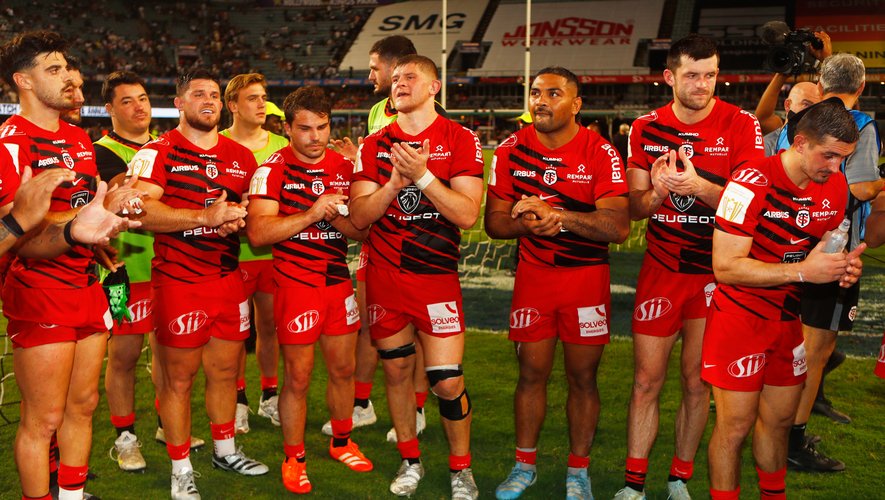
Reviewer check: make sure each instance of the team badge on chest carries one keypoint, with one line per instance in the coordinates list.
(803, 217)
(550, 176)
(67, 159)
(317, 187)
(211, 170)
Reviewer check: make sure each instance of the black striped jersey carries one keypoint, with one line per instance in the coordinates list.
(761, 202)
(193, 178)
(572, 177)
(680, 233)
(412, 236)
(68, 147)
(317, 256)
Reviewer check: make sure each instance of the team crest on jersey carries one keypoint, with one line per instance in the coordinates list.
(550, 176)
(682, 203)
(317, 187)
(79, 199)
(211, 170)
(687, 149)
(803, 217)
(409, 198)
(67, 159)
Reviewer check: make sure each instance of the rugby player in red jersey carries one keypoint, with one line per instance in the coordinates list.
(298, 203)
(419, 182)
(679, 195)
(202, 316)
(561, 190)
(58, 316)
(769, 225)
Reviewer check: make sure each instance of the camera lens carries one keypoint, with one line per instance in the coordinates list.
(780, 59)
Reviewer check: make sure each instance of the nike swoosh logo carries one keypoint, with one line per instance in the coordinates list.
(794, 242)
(708, 366)
(547, 196)
(209, 190)
(76, 181)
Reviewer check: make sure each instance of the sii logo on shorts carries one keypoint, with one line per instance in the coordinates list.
(188, 323)
(592, 321)
(141, 310)
(409, 198)
(652, 309)
(747, 366)
(375, 313)
(444, 317)
(524, 317)
(304, 321)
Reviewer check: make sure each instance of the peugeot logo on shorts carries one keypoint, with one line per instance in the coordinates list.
(188, 323)
(652, 309)
(524, 317)
(409, 198)
(375, 313)
(304, 321)
(747, 366)
(141, 310)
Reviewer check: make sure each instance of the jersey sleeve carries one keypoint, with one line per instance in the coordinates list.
(468, 154)
(739, 208)
(500, 180)
(748, 141)
(250, 166)
(636, 155)
(9, 178)
(609, 171)
(267, 181)
(109, 164)
(366, 168)
(863, 164)
(148, 165)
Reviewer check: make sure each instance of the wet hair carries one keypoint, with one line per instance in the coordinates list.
(694, 46)
(22, 50)
(828, 118)
(184, 80)
(393, 48)
(116, 79)
(313, 99)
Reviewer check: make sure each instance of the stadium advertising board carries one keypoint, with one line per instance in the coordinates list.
(736, 31)
(855, 27)
(421, 22)
(585, 37)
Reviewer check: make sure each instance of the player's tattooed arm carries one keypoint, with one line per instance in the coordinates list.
(688, 182)
(647, 189)
(610, 222)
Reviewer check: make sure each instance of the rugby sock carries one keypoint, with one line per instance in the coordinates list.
(680, 470)
(44, 497)
(53, 455)
(797, 436)
(223, 439)
(576, 463)
(459, 463)
(420, 399)
(71, 481)
(241, 392)
(409, 451)
(268, 387)
(526, 458)
(725, 495)
(124, 424)
(157, 407)
(180, 456)
(295, 451)
(361, 393)
(772, 485)
(634, 473)
(341, 431)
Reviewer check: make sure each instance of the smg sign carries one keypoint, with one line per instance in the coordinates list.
(422, 22)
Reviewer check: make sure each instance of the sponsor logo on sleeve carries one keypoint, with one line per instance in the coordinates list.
(652, 309)
(188, 323)
(734, 203)
(304, 321)
(444, 317)
(617, 170)
(258, 185)
(799, 365)
(351, 310)
(142, 164)
(747, 366)
(524, 317)
(592, 321)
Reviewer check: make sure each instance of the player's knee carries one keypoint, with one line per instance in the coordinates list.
(457, 408)
(644, 385)
(695, 388)
(82, 404)
(582, 382)
(341, 369)
(44, 423)
(398, 363)
(178, 385)
(446, 381)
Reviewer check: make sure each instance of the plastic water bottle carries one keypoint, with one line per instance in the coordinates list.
(837, 238)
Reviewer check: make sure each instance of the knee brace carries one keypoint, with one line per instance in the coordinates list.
(436, 374)
(402, 351)
(455, 409)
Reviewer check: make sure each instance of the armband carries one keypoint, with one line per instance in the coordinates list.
(12, 225)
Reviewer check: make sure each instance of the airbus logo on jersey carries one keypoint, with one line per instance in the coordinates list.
(655, 148)
(184, 168)
(524, 317)
(776, 214)
(294, 186)
(682, 202)
(188, 323)
(524, 173)
(45, 162)
(747, 366)
(592, 321)
(140, 310)
(803, 218)
(751, 176)
(304, 321)
(375, 313)
(409, 198)
(652, 309)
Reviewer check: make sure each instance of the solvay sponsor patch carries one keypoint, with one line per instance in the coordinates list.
(734, 203)
(352, 311)
(444, 317)
(258, 185)
(142, 164)
(708, 292)
(799, 364)
(592, 321)
(244, 316)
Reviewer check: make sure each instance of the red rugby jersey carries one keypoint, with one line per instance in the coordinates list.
(785, 222)
(571, 177)
(680, 233)
(193, 178)
(68, 147)
(317, 256)
(412, 236)
(9, 177)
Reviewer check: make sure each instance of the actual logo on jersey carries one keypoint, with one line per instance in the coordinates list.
(747, 366)
(351, 310)
(734, 203)
(708, 292)
(799, 364)
(409, 198)
(682, 203)
(141, 310)
(687, 150)
(524, 317)
(803, 217)
(188, 323)
(592, 321)
(67, 159)
(615, 160)
(79, 199)
(550, 176)
(317, 187)
(652, 309)
(304, 321)
(375, 313)
(444, 317)
(750, 176)
(211, 170)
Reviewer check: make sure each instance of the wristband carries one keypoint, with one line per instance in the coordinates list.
(425, 180)
(801, 279)
(69, 238)
(12, 225)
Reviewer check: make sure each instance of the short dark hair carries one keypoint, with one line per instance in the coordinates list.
(392, 48)
(116, 79)
(828, 118)
(694, 46)
(21, 52)
(313, 99)
(422, 62)
(560, 71)
(73, 63)
(184, 80)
